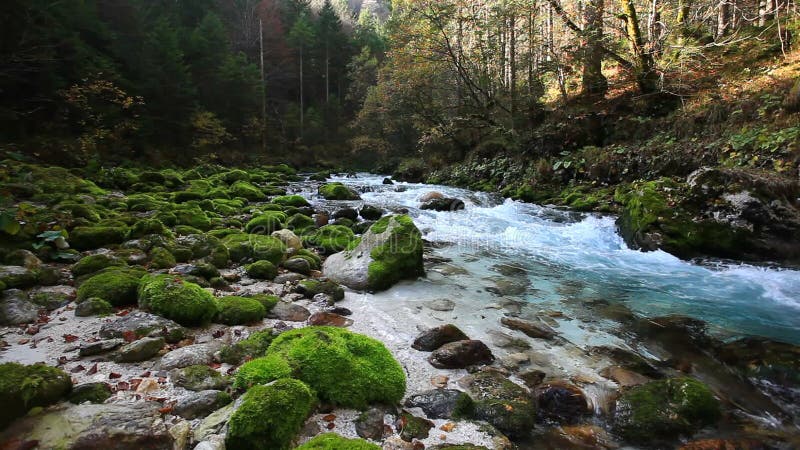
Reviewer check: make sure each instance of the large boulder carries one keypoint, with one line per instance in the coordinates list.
(16, 309)
(499, 401)
(24, 387)
(178, 300)
(18, 276)
(139, 324)
(338, 191)
(94, 427)
(390, 251)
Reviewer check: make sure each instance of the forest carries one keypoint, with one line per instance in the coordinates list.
(399, 225)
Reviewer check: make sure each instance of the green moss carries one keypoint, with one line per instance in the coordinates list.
(247, 191)
(268, 301)
(93, 306)
(178, 300)
(263, 370)
(266, 223)
(239, 310)
(87, 238)
(338, 191)
(331, 238)
(199, 378)
(319, 356)
(161, 258)
(297, 201)
(79, 210)
(332, 441)
(665, 409)
(93, 263)
(300, 224)
(254, 246)
(3, 286)
(145, 227)
(187, 196)
(116, 285)
(25, 387)
(90, 392)
(311, 257)
(192, 216)
(310, 288)
(270, 416)
(234, 175)
(400, 257)
(254, 346)
(263, 270)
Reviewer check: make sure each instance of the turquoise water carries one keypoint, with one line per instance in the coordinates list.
(567, 258)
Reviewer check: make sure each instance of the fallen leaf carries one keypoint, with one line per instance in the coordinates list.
(23, 341)
(329, 418)
(448, 427)
(114, 375)
(123, 386)
(68, 338)
(92, 370)
(330, 425)
(165, 410)
(78, 368)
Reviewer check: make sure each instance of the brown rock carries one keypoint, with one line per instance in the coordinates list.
(325, 318)
(533, 329)
(624, 377)
(461, 354)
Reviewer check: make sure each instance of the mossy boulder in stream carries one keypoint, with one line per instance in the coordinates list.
(665, 410)
(93, 263)
(320, 356)
(266, 223)
(332, 441)
(24, 387)
(243, 246)
(87, 238)
(170, 297)
(338, 191)
(389, 252)
(116, 285)
(331, 238)
(239, 310)
(270, 416)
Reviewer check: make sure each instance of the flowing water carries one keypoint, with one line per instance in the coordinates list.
(565, 260)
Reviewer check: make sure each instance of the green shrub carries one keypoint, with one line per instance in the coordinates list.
(270, 416)
(116, 285)
(321, 356)
(171, 297)
(239, 310)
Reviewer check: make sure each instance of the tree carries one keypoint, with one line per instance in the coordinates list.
(594, 83)
(301, 36)
(330, 34)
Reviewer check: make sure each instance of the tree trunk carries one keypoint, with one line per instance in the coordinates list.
(646, 76)
(302, 104)
(512, 67)
(263, 88)
(723, 18)
(594, 83)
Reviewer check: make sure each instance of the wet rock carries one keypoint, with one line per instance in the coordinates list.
(532, 378)
(500, 402)
(289, 312)
(140, 350)
(533, 329)
(503, 340)
(341, 310)
(325, 318)
(16, 309)
(665, 409)
(412, 427)
(387, 181)
(370, 425)
(143, 324)
(368, 212)
(215, 422)
(506, 287)
(561, 402)
(724, 444)
(99, 347)
(289, 239)
(579, 437)
(191, 355)
(213, 442)
(461, 354)
(628, 360)
(180, 432)
(321, 219)
(200, 404)
(299, 265)
(24, 258)
(624, 377)
(443, 204)
(52, 297)
(515, 360)
(346, 213)
(441, 304)
(434, 338)
(438, 403)
(18, 276)
(432, 195)
(95, 427)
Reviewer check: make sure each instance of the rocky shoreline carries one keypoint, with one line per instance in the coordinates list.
(214, 322)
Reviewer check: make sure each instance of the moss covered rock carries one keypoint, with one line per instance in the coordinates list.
(310, 288)
(247, 191)
(300, 223)
(499, 401)
(332, 238)
(239, 310)
(298, 201)
(263, 370)
(87, 238)
(254, 246)
(90, 392)
(254, 346)
(320, 355)
(161, 258)
(665, 409)
(24, 387)
(270, 416)
(93, 307)
(116, 285)
(332, 441)
(338, 191)
(199, 378)
(389, 252)
(145, 227)
(263, 270)
(266, 223)
(94, 263)
(171, 297)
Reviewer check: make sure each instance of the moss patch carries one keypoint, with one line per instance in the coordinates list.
(263, 270)
(171, 297)
(266, 223)
(87, 238)
(400, 257)
(254, 346)
(239, 310)
(254, 246)
(332, 238)
(298, 201)
(262, 370)
(24, 387)
(338, 191)
(332, 441)
(94, 263)
(270, 416)
(116, 285)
